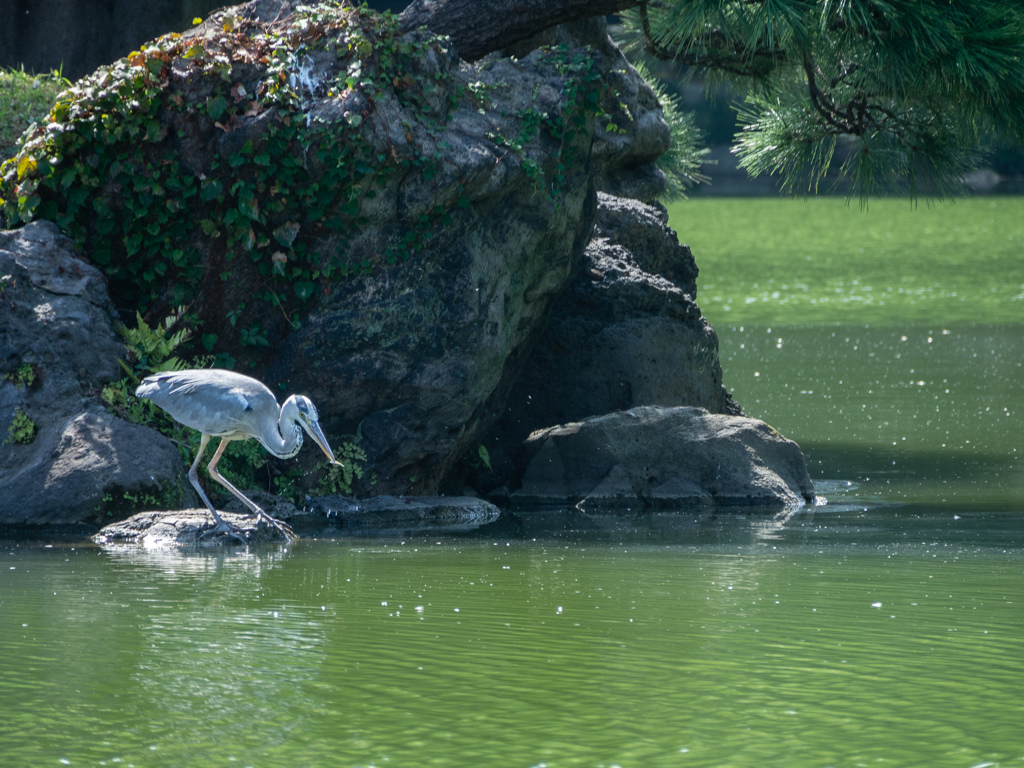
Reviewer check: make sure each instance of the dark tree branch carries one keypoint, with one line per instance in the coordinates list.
(478, 28)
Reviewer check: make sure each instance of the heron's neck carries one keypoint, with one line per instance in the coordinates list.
(282, 438)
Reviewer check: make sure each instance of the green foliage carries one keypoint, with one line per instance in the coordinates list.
(105, 165)
(23, 377)
(151, 349)
(25, 98)
(22, 429)
(682, 163)
(338, 479)
(484, 455)
(125, 503)
(898, 94)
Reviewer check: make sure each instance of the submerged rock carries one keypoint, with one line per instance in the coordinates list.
(655, 457)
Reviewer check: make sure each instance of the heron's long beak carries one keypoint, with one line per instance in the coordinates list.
(317, 434)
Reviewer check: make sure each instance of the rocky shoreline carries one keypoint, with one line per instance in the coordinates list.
(558, 338)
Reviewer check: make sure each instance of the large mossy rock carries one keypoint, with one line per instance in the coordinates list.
(349, 213)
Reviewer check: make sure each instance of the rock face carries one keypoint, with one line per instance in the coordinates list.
(625, 333)
(418, 221)
(652, 457)
(418, 359)
(57, 322)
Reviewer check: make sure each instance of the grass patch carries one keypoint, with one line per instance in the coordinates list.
(819, 260)
(24, 98)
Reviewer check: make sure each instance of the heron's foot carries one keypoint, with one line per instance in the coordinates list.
(222, 527)
(273, 522)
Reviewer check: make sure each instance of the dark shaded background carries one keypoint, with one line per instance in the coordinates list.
(81, 35)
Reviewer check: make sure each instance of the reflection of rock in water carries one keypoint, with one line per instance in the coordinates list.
(176, 563)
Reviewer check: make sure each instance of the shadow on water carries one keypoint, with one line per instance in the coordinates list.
(879, 475)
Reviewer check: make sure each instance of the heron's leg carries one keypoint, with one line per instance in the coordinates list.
(193, 475)
(212, 469)
(220, 524)
(252, 506)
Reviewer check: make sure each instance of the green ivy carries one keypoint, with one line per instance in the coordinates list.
(22, 429)
(106, 164)
(23, 377)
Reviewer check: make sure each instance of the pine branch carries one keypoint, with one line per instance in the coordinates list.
(712, 49)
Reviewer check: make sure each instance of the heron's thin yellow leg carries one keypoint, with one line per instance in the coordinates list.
(220, 525)
(259, 513)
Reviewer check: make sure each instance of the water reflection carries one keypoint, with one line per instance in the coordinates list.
(818, 637)
(174, 562)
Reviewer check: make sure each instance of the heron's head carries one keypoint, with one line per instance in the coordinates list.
(300, 410)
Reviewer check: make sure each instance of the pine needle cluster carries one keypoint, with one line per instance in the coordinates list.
(899, 95)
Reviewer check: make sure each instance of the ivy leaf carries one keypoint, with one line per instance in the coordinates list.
(154, 131)
(216, 106)
(484, 455)
(26, 165)
(210, 189)
(304, 289)
(286, 233)
(249, 206)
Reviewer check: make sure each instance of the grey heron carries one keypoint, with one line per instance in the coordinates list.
(231, 406)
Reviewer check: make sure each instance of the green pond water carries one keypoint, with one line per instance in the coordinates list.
(884, 628)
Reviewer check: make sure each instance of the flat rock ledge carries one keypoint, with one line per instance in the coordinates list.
(383, 514)
(325, 515)
(185, 527)
(661, 458)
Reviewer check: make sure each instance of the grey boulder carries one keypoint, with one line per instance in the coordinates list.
(653, 457)
(185, 528)
(83, 464)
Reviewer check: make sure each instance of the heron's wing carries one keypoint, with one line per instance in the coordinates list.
(213, 401)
